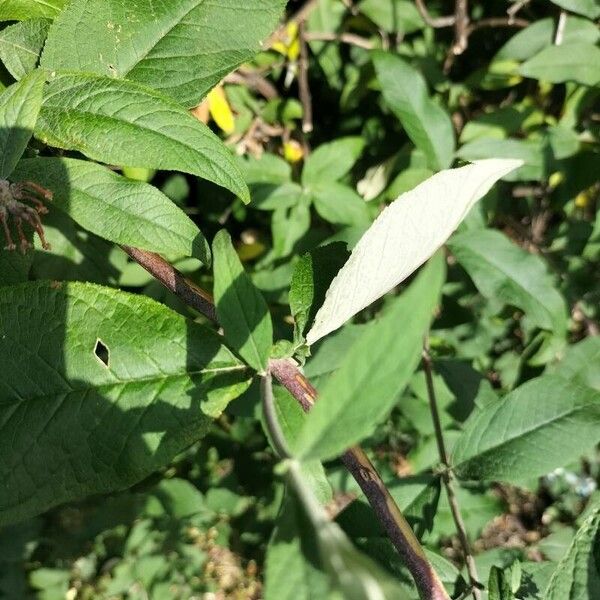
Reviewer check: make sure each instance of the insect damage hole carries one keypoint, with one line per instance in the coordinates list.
(102, 352)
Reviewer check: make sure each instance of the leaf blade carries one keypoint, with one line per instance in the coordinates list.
(242, 311)
(402, 238)
(124, 123)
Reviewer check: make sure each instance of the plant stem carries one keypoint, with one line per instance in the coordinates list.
(268, 405)
(448, 475)
(357, 462)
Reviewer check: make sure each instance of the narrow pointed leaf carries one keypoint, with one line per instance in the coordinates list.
(543, 424)
(503, 271)
(426, 123)
(242, 311)
(19, 108)
(123, 123)
(116, 208)
(403, 237)
(373, 372)
(99, 388)
(577, 575)
(183, 48)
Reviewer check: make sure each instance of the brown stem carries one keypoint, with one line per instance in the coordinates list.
(345, 38)
(357, 462)
(448, 476)
(436, 22)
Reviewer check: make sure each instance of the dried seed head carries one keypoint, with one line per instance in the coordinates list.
(12, 206)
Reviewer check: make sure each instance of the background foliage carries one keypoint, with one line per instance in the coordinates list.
(135, 461)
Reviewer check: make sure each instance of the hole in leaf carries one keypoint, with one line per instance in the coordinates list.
(101, 351)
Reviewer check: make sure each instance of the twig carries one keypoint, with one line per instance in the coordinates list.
(303, 87)
(253, 80)
(345, 38)
(497, 22)
(436, 22)
(448, 476)
(461, 27)
(370, 482)
(287, 373)
(515, 8)
(560, 28)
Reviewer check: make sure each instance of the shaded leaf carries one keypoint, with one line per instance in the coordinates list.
(77, 421)
(330, 162)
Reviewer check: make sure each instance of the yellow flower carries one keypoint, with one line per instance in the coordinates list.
(220, 110)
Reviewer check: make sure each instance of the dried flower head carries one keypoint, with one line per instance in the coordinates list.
(12, 206)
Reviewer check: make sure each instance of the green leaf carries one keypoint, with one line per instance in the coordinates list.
(427, 124)
(543, 424)
(123, 123)
(19, 108)
(588, 8)
(499, 586)
(21, 10)
(579, 62)
(398, 16)
(581, 363)
(183, 49)
(242, 311)
(293, 570)
(540, 34)
(312, 276)
(99, 389)
(530, 151)
(330, 162)
(503, 271)
(340, 205)
(14, 266)
(116, 208)
(21, 44)
(374, 371)
(577, 575)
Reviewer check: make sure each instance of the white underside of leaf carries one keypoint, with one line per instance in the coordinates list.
(403, 237)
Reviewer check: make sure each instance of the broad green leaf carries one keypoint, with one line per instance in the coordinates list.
(116, 208)
(579, 62)
(374, 371)
(330, 162)
(581, 363)
(123, 123)
(403, 237)
(182, 48)
(242, 311)
(288, 225)
(577, 575)
(19, 108)
(588, 8)
(540, 34)
(274, 197)
(503, 271)
(543, 424)
(99, 389)
(426, 123)
(21, 44)
(531, 152)
(21, 10)
(340, 205)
